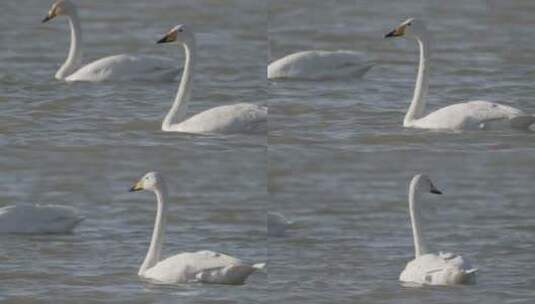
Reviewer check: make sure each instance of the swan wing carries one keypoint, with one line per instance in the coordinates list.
(317, 65)
(441, 269)
(475, 115)
(34, 219)
(236, 118)
(201, 266)
(126, 67)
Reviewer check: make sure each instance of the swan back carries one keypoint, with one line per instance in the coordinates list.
(34, 219)
(441, 269)
(202, 266)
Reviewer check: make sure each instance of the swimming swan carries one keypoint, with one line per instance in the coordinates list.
(188, 267)
(236, 118)
(428, 268)
(118, 67)
(319, 65)
(468, 115)
(36, 219)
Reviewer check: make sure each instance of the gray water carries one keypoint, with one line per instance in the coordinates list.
(84, 145)
(338, 161)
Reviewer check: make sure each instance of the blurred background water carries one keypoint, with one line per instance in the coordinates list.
(84, 144)
(340, 162)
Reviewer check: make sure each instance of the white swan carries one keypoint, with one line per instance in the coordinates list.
(468, 115)
(36, 219)
(277, 224)
(428, 268)
(118, 67)
(319, 65)
(236, 118)
(187, 267)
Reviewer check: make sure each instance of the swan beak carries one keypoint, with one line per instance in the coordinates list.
(47, 18)
(136, 187)
(397, 32)
(435, 190)
(169, 37)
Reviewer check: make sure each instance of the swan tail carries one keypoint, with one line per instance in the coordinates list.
(522, 122)
(259, 266)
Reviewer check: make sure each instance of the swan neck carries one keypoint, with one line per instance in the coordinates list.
(417, 107)
(74, 58)
(416, 222)
(179, 109)
(158, 234)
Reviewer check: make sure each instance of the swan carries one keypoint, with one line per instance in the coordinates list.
(236, 118)
(277, 224)
(477, 114)
(319, 65)
(118, 67)
(428, 268)
(36, 219)
(188, 267)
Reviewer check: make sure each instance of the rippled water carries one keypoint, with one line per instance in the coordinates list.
(84, 144)
(338, 160)
(340, 163)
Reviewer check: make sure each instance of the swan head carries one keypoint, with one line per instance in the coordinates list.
(409, 28)
(59, 8)
(150, 181)
(179, 34)
(422, 183)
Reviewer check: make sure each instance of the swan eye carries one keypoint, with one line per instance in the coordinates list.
(409, 24)
(181, 30)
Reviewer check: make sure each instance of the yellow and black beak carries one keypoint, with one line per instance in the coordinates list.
(136, 187)
(397, 32)
(49, 16)
(169, 37)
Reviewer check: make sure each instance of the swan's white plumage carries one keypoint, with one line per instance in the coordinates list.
(35, 219)
(235, 118)
(474, 115)
(118, 67)
(202, 266)
(461, 116)
(277, 224)
(441, 269)
(126, 67)
(428, 268)
(188, 267)
(318, 65)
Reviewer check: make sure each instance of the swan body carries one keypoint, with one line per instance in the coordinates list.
(118, 67)
(319, 65)
(125, 67)
(236, 118)
(428, 268)
(37, 219)
(277, 224)
(187, 267)
(468, 115)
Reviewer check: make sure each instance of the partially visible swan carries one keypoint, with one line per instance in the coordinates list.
(319, 65)
(36, 219)
(202, 266)
(236, 118)
(428, 268)
(277, 224)
(118, 67)
(468, 115)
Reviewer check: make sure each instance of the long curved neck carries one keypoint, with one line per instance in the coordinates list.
(417, 107)
(416, 222)
(158, 234)
(179, 108)
(74, 59)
